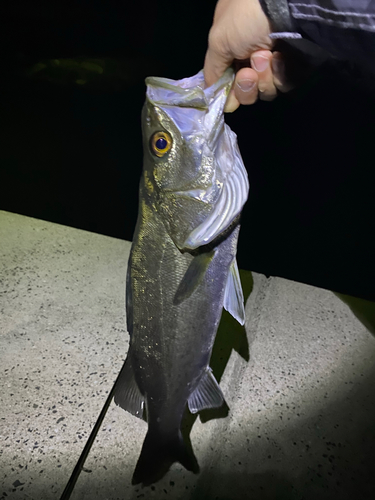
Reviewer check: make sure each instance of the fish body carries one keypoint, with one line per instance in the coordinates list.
(182, 267)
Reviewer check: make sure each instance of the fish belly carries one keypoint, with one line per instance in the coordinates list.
(171, 343)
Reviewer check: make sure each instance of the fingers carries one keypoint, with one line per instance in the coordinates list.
(253, 83)
(265, 77)
(261, 62)
(244, 90)
(257, 81)
(262, 81)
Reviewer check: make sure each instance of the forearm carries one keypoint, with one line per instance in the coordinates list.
(286, 15)
(344, 14)
(346, 28)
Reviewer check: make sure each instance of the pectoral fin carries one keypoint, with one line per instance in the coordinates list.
(233, 296)
(127, 393)
(193, 276)
(207, 394)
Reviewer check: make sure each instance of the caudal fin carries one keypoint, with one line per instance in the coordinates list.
(158, 454)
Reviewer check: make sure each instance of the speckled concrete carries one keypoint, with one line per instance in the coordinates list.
(62, 343)
(302, 413)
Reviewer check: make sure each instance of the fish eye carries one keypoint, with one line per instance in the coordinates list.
(161, 143)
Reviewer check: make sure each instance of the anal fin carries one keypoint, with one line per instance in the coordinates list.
(233, 296)
(207, 394)
(127, 393)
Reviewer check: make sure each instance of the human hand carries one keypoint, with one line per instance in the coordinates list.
(240, 35)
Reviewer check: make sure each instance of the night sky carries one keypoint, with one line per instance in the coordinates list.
(71, 152)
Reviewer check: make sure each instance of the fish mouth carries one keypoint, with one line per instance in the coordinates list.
(188, 92)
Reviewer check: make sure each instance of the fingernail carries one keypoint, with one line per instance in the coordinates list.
(259, 63)
(246, 85)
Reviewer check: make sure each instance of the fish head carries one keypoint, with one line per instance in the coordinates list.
(168, 156)
(190, 156)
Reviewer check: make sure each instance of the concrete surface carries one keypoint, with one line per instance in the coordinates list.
(301, 423)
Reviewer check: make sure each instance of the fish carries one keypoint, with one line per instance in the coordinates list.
(182, 268)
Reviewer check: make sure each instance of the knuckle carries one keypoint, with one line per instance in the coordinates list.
(215, 39)
(218, 42)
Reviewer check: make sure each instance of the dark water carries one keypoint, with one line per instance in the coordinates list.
(71, 153)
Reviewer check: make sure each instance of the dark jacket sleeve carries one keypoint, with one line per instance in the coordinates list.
(345, 28)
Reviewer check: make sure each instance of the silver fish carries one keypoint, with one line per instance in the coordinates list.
(182, 267)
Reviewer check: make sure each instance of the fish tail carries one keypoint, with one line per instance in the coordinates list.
(158, 454)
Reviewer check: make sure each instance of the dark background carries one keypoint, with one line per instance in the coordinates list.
(71, 152)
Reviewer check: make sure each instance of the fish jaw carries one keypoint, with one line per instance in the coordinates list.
(189, 92)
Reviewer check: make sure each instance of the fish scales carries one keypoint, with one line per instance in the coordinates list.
(182, 268)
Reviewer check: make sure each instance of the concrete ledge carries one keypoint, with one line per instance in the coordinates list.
(302, 411)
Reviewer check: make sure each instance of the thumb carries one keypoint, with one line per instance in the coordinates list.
(215, 65)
